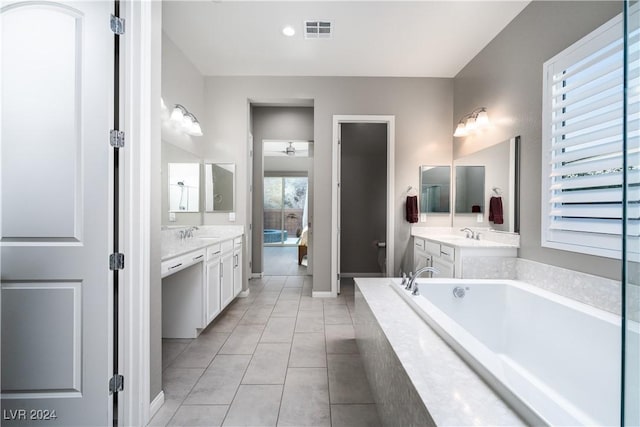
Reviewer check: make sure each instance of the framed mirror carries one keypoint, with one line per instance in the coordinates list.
(219, 186)
(500, 190)
(435, 189)
(469, 189)
(184, 187)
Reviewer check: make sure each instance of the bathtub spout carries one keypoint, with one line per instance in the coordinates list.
(413, 286)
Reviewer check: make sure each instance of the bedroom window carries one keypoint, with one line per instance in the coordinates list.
(582, 148)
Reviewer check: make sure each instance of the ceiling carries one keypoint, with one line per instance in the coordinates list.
(370, 38)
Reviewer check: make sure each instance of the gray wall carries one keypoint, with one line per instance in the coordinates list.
(506, 77)
(363, 204)
(423, 108)
(294, 123)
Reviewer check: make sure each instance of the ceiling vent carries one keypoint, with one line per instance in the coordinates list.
(317, 29)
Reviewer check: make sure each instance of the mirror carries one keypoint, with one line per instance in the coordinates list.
(184, 187)
(219, 186)
(435, 184)
(499, 192)
(469, 189)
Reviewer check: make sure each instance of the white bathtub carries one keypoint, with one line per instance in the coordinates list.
(554, 360)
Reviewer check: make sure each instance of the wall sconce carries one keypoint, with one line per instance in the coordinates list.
(185, 120)
(472, 122)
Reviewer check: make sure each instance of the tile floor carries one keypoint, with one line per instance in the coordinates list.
(278, 357)
(282, 261)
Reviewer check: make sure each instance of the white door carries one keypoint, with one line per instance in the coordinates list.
(339, 207)
(56, 203)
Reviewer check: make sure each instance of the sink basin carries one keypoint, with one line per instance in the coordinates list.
(209, 237)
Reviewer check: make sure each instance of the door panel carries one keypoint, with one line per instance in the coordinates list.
(213, 289)
(57, 99)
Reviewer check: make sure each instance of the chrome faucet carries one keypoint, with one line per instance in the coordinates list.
(470, 233)
(413, 286)
(190, 230)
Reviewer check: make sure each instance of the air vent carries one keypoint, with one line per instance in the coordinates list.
(317, 29)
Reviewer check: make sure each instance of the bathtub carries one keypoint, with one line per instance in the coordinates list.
(555, 361)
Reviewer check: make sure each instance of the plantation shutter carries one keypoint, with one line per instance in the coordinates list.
(583, 144)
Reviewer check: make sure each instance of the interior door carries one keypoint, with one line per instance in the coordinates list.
(339, 207)
(56, 212)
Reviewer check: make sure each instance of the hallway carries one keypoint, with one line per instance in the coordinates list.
(283, 261)
(277, 357)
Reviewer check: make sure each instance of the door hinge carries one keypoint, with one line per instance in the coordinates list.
(117, 25)
(338, 276)
(116, 384)
(116, 261)
(116, 138)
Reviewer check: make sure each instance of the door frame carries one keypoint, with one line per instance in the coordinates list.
(140, 94)
(335, 201)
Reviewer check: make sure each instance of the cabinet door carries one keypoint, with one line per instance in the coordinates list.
(237, 272)
(444, 267)
(421, 259)
(227, 278)
(212, 290)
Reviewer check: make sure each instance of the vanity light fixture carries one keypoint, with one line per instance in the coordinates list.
(472, 122)
(185, 120)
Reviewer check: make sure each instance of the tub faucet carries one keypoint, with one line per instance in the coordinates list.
(470, 233)
(413, 286)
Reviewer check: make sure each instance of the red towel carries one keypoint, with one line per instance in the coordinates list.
(495, 210)
(412, 209)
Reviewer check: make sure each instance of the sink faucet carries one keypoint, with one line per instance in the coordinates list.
(470, 233)
(190, 230)
(413, 286)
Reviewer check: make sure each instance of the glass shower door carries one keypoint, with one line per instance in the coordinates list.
(631, 258)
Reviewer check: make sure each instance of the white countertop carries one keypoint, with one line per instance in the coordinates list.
(459, 240)
(452, 392)
(173, 246)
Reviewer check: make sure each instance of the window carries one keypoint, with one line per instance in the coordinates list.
(582, 150)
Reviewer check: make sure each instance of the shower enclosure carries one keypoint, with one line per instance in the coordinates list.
(630, 411)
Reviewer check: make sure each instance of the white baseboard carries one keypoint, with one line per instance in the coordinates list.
(257, 275)
(156, 404)
(244, 293)
(322, 294)
(351, 275)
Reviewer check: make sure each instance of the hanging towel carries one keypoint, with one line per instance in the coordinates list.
(495, 210)
(412, 209)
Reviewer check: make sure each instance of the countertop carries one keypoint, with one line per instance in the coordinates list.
(452, 392)
(460, 241)
(173, 246)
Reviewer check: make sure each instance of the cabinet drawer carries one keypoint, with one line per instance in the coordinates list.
(213, 251)
(226, 246)
(180, 263)
(418, 243)
(237, 242)
(432, 248)
(447, 252)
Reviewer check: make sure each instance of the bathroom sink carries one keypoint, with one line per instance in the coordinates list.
(209, 237)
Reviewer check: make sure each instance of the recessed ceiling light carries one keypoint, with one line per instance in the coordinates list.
(288, 31)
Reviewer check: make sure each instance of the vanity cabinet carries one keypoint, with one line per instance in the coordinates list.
(198, 285)
(442, 259)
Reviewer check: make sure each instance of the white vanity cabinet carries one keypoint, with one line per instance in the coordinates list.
(457, 257)
(237, 266)
(199, 284)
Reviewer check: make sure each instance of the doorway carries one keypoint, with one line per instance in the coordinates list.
(282, 190)
(362, 192)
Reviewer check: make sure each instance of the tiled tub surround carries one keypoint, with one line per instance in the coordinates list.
(416, 378)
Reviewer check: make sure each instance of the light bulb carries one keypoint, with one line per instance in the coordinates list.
(482, 119)
(461, 130)
(196, 130)
(177, 115)
(470, 125)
